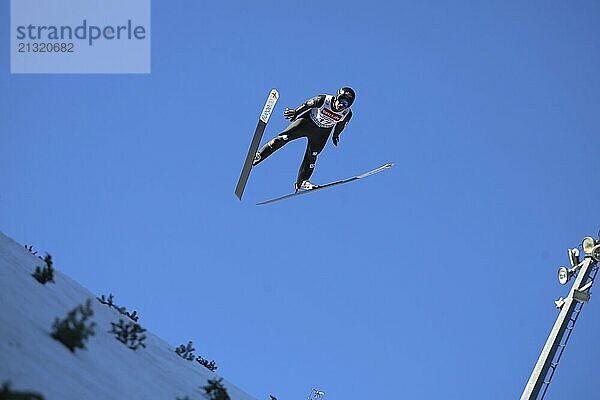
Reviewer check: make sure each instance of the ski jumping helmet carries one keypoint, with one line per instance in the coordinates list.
(346, 96)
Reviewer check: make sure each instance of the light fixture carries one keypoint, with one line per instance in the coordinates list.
(564, 275)
(596, 252)
(588, 244)
(574, 256)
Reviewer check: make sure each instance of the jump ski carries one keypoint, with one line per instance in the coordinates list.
(260, 129)
(328, 185)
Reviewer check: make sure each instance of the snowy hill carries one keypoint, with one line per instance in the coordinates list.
(35, 362)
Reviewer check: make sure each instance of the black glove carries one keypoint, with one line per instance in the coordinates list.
(335, 139)
(289, 113)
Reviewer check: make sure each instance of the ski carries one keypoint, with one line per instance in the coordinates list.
(260, 129)
(328, 185)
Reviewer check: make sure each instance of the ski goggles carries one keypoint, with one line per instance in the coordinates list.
(344, 102)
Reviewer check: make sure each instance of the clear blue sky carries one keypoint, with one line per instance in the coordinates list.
(434, 280)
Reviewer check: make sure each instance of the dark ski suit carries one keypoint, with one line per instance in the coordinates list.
(314, 120)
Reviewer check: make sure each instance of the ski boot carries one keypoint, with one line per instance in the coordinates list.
(256, 159)
(305, 185)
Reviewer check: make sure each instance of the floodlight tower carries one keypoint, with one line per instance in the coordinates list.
(316, 394)
(584, 273)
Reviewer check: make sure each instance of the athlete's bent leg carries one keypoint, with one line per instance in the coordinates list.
(270, 147)
(290, 133)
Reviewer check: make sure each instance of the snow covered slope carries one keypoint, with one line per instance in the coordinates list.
(35, 362)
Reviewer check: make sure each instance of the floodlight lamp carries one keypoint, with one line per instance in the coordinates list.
(574, 257)
(596, 253)
(564, 275)
(588, 244)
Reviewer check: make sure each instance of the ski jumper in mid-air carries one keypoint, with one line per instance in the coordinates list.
(314, 120)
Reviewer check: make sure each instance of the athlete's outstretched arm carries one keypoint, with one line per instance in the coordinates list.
(316, 101)
(339, 127)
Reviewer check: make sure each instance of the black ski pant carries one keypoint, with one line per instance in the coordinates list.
(302, 127)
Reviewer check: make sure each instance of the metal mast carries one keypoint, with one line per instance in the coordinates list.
(585, 272)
